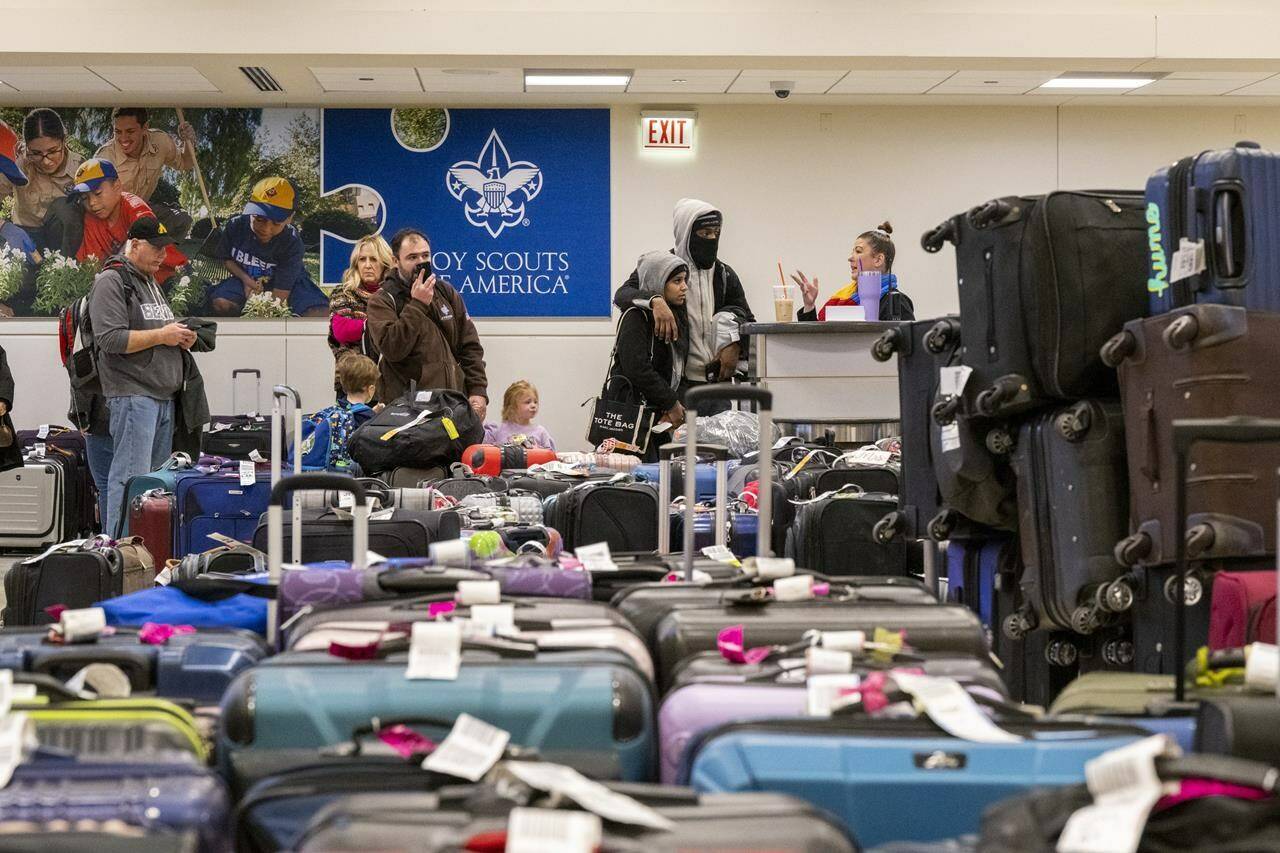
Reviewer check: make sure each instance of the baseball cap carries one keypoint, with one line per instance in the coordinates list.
(92, 173)
(273, 198)
(149, 228)
(9, 156)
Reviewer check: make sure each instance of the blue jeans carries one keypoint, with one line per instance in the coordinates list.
(100, 449)
(142, 429)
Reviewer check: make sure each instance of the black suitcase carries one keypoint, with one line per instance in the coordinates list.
(1073, 505)
(327, 533)
(625, 515)
(1240, 724)
(929, 627)
(787, 487)
(460, 485)
(238, 436)
(834, 535)
(75, 578)
(971, 464)
(65, 446)
(412, 478)
(1044, 281)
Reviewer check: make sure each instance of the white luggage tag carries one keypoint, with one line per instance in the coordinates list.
(248, 473)
(61, 546)
(820, 661)
(78, 626)
(950, 437)
(470, 750)
(721, 554)
(823, 691)
(871, 456)
(591, 795)
(1125, 787)
(17, 741)
(531, 830)
(951, 380)
(769, 568)
(845, 641)
(449, 551)
(1187, 261)
(596, 557)
(478, 592)
(493, 619)
(794, 588)
(1261, 667)
(947, 704)
(435, 651)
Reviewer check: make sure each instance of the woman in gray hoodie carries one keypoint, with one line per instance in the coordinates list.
(646, 369)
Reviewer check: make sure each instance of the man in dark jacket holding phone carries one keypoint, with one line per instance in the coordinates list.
(139, 353)
(713, 288)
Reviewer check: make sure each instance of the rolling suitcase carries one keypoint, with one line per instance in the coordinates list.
(74, 576)
(412, 478)
(151, 520)
(1242, 609)
(623, 514)
(1198, 362)
(33, 505)
(1224, 201)
(238, 436)
(217, 503)
(971, 464)
(1044, 281)
(1129, 698)
(327, 533)
(460, 484)
(834, 534)
(165, 479)
(839, 765)
(67, 445)
(1073, 501)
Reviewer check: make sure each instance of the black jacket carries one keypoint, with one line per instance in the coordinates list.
(647, 364)
(725, 285)
(191, 404)
(11, 456)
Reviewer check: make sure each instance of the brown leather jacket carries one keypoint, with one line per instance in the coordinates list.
(435, 347)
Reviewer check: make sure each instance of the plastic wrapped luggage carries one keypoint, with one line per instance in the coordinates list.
(76, 575)
(1044, 281)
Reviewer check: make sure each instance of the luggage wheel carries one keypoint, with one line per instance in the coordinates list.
(1118, 348)
(1131, 549)
(936, 340)
(932, 241)
(888, 528)
(944, 411)
(1192, 592)
(1000, 442)
(1117, 653)
(1074, 423)
(885, 345)
(1018, 625)
(1061, 653)
(1117, 596)
(1085, 619)
(940, 526)
(1200, 539)
(1181, 331)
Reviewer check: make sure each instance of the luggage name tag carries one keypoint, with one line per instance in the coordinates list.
(820, 661)
(346, 500)
(494, 618)
(950, 435)
(423, 397)
(450, 429)
(869, 456)
(947, 704)
(43, 432)
(435, 651)
(769, 568)
(591, 795)
(471, 748)
(721, 554)
(17, 741)
(478, 592)
(248, 473)
(532, 830)
(257, 458)
(794, 588)
(39, 450)
(951, 380)
(449, 551)
(1261, 666)
(227, 541)
(1125, 787)
(596, 557)
(82, 626)
(844, 641)
(824, 690)
(1187, 261)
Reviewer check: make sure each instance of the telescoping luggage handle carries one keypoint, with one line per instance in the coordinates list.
(720, 455)
(275, 525)
(257, 394)
(1186, 434)
(278, 393)
(728, 392)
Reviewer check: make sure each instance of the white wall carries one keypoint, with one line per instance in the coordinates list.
(789, 189)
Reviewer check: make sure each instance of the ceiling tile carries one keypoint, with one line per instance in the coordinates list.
(1270, 86)
(699, 81)
(993, 82)
(1185, 86)
(53, 78)
(754, 81)
(463, 80)
(905, 82)
(1241, 76)
(347, 79)
(155, 78)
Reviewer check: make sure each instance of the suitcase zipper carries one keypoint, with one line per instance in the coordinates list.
(989, 283)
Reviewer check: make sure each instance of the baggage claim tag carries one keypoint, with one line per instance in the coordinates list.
(78, 626)
(775, 567)
(478, 592)
(591, 795)
(435, 652)
(494, 618)
(948, 705)
(823, 691)
(17, 739)
(596, 557)
(532, 830)
(1187, 261)
(471, 748)
(795, 588)
(248, 475)
(950, 435)
(951, 380)
(1125, 787)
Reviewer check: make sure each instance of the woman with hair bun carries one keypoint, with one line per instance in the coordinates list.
(873, 251)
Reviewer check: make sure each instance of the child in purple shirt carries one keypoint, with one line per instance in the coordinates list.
(519, 408)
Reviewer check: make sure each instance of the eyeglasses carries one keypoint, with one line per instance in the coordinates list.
(50, 155)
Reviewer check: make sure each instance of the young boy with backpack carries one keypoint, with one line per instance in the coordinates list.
(326, 434)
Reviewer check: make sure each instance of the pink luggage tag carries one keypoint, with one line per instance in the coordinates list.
(158, 634)
(54, 611)
(437, 609)
(730, 643)
(407, 742)
(1196, 789)
(371, 650)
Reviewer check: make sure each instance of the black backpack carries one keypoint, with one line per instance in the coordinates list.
(422, 429)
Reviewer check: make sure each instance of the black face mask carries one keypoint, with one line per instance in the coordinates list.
(703, 251)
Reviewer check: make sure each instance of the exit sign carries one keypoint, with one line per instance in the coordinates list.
(667, 130)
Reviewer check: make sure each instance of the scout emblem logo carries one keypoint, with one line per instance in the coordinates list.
(493, 189)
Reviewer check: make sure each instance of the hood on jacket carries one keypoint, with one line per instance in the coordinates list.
(687, 212)
(655, 268)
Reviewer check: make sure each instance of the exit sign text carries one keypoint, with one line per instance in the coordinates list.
(667, 131)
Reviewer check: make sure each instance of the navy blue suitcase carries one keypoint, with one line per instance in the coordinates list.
(1230, 200)
(217, 503)
(704, 474)
(742, 531)
(196, 666)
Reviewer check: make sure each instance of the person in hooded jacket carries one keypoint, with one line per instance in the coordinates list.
(140, 363)
(714, 288)
(647, 369)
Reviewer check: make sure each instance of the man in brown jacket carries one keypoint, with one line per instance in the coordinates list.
(421, 327)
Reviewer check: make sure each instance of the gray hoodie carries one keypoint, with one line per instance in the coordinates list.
(122, 300)
(653, 270)
(701, 302)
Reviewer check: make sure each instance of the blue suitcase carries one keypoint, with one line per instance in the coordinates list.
(1228, 199)
(590, 709)
(216, 503)
(867, 772)
(704, 472)
(160, 797)
(196, 666)
(742, 531)
(972, 568)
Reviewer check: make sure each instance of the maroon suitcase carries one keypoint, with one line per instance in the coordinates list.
(1201, 361)
(1243, 609)
(151, 519)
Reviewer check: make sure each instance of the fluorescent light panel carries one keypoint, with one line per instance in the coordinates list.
(1070, 82)
(577, 78)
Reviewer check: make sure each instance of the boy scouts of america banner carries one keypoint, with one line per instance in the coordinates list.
(515, 202)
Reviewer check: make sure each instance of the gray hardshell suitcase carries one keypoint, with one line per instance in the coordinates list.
(32, 506)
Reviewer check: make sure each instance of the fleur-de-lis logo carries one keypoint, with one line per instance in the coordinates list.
(493, 189)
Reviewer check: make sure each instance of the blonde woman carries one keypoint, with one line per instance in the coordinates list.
(370, 261)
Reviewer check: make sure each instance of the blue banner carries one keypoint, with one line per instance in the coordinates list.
(515, 202)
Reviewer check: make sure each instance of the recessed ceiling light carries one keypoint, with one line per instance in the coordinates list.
(577, 78)
(1099, 82)
(470, 72)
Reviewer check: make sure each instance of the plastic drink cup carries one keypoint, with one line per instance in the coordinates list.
(869, 294)
(784, 306)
